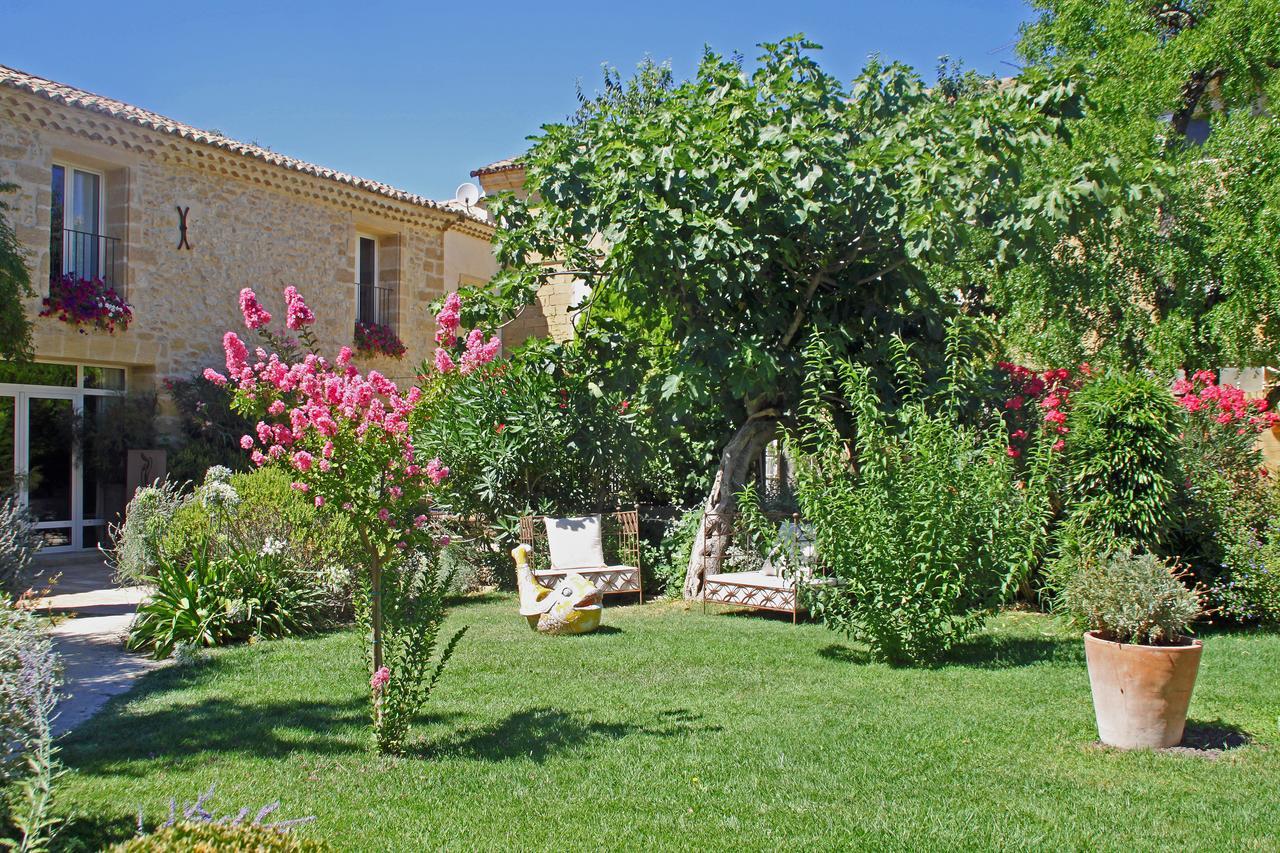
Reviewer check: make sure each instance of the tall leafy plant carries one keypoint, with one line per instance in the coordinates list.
(919, 519)
(15, 286)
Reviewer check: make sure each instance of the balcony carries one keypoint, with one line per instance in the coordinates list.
(376, 305)
(87, 256)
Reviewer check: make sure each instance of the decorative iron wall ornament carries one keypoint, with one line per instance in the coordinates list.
(182, 228)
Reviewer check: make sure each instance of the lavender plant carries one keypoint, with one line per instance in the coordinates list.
(29, 682)
(197, 811)
(18, 545)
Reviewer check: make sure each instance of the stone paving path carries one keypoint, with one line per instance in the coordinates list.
(89, 635)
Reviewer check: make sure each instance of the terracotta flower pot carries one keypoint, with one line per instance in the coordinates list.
(1141, 693)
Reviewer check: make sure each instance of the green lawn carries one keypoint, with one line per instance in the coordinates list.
(673, 729)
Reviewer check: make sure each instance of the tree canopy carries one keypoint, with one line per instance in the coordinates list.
(15, 285)
(744, 212)
(1181, 98)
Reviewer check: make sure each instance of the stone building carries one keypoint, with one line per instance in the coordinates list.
(552, 314)
(178, 220)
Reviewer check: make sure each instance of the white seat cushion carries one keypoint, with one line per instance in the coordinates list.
(759, 579)
(575, 543)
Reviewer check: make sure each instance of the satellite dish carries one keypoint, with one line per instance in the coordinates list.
(467, 194)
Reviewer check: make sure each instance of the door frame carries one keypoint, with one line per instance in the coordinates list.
(22, 394)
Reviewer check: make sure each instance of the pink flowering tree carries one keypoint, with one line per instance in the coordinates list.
(345, 437)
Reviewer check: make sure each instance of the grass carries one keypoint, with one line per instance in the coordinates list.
(672, 729)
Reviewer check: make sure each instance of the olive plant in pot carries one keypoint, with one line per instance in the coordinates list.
(1142, 664)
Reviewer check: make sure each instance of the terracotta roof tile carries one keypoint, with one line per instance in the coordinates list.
(506, 165)
(74, 97)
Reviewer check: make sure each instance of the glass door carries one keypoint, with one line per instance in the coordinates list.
(46, 472)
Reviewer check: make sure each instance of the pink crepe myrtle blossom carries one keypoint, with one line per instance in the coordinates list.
(215, 377)
(255, 316)
(298, 314)
(319, 501)
(380, 679)
(246, 442)
(444, 361)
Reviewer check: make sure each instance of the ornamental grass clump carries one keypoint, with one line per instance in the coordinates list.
(1131, 598)
(918, 516)
(344, 437)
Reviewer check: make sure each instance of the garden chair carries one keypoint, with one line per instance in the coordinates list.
(790, 564)
(579, 544)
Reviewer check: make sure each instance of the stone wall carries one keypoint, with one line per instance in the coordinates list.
(251, 224)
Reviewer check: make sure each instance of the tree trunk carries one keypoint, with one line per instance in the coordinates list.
(717, 521)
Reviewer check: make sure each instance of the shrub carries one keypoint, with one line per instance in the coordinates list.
(135, 549)
(261, 512)
(186, 837)
(30, 677)
(209, 429)
(1123, 473)
(209, 600)
(19, 542)
(669, 557)
(1130, 598)
(924, 529)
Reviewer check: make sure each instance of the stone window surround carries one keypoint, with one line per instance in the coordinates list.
(114, 205)
(387, 263)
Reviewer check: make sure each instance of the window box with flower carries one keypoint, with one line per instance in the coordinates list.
(86, 302)
(378, 339)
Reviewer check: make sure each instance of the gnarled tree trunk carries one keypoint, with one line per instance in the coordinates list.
(717, 522)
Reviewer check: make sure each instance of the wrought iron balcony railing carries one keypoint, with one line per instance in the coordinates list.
(376, 305)
(87, 256)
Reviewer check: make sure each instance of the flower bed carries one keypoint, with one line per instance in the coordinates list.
(86, 302)
(378, 339)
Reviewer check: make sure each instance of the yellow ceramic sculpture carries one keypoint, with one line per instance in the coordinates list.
(573, 607)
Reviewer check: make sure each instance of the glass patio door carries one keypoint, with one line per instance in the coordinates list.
(45, 466)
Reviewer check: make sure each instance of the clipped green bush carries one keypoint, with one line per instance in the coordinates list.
(1130, 598)
(1123, 472)
(190, 837)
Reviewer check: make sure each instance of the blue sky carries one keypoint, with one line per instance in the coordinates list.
(419, 93)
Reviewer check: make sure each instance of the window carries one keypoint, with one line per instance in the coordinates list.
(373, 299)
(77, 244)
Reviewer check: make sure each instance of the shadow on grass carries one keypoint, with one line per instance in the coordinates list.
(986, 651)
(84, 832)
(269, 729)
(1214, 736)
(538, 733)
(474, 599)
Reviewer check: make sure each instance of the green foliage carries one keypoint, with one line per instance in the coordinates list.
(30, 678)
(1248, 586)
(415, 594)
(19, 542)
(209, 429)
(745, 212)
(1123, 473)
(222, 837)
(1191, 279)
(669, 556)
(918, 521)
(536, 428)
(1130, 598)
(211, 601)
(135, 549)
(15, 286)
(266, 515)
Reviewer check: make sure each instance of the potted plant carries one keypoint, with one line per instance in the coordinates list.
(1142, 664)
